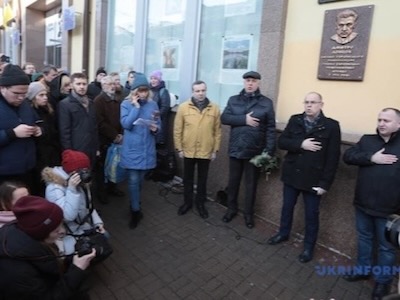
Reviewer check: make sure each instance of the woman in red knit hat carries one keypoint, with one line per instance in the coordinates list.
(29, 264)
(68, 187)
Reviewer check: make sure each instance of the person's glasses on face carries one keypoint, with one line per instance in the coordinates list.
(312, 102)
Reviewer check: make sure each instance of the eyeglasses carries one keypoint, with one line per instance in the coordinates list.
(311, 102)
(17, 94)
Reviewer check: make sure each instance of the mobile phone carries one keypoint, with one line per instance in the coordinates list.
(39, 122)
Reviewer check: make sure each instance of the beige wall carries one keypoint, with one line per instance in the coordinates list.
(354, 104)
(76, 39)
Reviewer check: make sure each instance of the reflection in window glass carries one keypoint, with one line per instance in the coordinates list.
(120, 43)
(229, 42)
(165, 30)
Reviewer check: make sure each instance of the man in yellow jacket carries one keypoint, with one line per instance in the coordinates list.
(197, 137)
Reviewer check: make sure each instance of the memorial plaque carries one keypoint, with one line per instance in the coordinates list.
(344, 44)
(328, 1)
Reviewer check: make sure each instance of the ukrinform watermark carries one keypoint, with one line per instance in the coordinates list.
(356, 270)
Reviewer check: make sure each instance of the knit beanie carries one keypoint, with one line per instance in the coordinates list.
(140, 81)
(156, 74)
(37, 217)
(74, 160)
(34, 89)
(101, 70)
(13, 75)
(37, 76)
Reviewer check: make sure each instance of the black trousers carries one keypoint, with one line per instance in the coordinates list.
(189, 165)
(236, 168)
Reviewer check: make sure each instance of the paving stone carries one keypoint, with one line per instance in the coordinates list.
(185, 257)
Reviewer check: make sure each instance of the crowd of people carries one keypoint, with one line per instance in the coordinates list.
(56, 128)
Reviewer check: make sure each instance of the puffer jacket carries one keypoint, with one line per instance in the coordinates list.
(197, 133)
(73, 203)
(378, 186)
(139, 144)
(246, 141)
(31, 270)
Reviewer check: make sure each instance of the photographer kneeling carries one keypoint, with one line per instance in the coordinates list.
(29, 262)
(69, 187)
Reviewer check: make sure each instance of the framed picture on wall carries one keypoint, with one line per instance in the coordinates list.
(235, 57)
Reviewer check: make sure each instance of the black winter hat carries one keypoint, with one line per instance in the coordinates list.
(13, 75)
(101, 70)
(252, 74)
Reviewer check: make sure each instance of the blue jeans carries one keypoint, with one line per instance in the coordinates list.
(135, 180)
(311, 211)
(370, 228)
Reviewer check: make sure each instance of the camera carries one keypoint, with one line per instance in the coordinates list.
(85, 175)
(392, 230)
(92, 239)
(84, 246)
(5, 59)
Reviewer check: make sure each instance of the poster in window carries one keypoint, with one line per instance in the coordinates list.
(236, 52)
(170, 57)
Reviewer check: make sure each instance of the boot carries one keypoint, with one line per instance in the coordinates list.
(136, 216)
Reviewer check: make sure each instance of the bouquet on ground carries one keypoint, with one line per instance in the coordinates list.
(266, 163)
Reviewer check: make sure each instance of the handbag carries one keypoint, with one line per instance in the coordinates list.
(112, 170)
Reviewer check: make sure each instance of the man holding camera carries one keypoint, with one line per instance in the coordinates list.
(377, 196)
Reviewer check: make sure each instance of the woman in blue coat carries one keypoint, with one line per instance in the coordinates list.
(140, 119)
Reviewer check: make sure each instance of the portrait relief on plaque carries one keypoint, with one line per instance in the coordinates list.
(344, 44)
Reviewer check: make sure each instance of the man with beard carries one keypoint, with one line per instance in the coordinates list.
(77, 120)
(107, 105)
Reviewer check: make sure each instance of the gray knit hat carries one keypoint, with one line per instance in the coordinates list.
(34, 89)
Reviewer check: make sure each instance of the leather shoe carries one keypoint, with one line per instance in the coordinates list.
(248, 219)
(380, 290)
(305, 256)
(355, 277)
(183, 209)
(203, 213)
(277, 238)
(229, 216)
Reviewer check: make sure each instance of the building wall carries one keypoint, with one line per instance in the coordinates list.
(355, 104)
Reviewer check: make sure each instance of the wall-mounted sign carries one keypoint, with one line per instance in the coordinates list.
(344, 44)
(327, 1)
(68, 17)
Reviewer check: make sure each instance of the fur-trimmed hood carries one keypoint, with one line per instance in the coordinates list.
(55, 175)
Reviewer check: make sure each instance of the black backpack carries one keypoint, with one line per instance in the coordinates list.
(166, 168)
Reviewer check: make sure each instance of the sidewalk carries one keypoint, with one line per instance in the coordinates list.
(185, 257)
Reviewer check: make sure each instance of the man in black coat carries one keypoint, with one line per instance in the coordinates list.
(312, 142)
(252, 119)
(376, 197)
